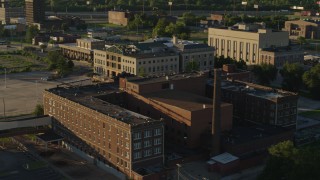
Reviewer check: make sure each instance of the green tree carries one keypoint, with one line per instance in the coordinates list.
(265, 73)
(59, 63)
(192, 66)
(301, 40)
(189, 19)
(159, 29)
(142, 72)
(311, 79)
(38, 111)
(292, 76)
(289, 162)
(179, 30)
(31, 32)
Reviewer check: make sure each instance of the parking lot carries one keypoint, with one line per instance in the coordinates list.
(23, 91)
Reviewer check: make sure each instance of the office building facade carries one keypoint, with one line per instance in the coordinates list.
(244, 44)
(35, 11)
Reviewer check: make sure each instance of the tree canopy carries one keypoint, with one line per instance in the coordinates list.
(312, 80)
(38, 111)
(192, 66)
(292, 76)
(265, 73)
(59, 63)
(31, 32)
(163, 28)
(289, 162)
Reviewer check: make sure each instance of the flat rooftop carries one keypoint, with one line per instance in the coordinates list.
(150, 80)
(180, 99)
(151, 55)
(254, 89)
(88, 96)
(240, 135)
(90, 40)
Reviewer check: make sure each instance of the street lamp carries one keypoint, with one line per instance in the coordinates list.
(179, 166)
(170, 4)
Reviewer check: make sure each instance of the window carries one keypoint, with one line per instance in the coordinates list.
(157, 132)
(147, 143)
(165, 85)
(136, 155)
(157, 150)
(147, 153)
(157, 141)
(137, 145)
(147, 133)
(136, 135)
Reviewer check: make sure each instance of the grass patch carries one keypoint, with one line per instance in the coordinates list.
(314, 114)
(6, 173)
(19, 63)
(105, 25)
(35, 165)
(199, 36)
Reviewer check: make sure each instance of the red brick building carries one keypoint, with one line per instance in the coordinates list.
(127, 141)
(180, 100)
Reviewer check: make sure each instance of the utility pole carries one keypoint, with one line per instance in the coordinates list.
(4, 109)
(142, 6)
(5, 77)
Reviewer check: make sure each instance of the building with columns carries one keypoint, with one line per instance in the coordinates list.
(244, 42)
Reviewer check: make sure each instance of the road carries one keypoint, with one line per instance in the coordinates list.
(99, 15)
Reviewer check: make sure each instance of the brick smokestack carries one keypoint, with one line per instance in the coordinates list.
(216, 116)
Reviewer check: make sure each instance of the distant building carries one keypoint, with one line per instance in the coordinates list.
(153, 58)
(230, 72)
(7, 12)
(119, 17)
(259, 104)
(59, 38)
(82, 49)
(87, 119)
(98, 33)
(279, 56)
(217, 18)
(18, 20)
(145, 59)
(244, 43)
(306, 29)
(201, 54)
(35, 11)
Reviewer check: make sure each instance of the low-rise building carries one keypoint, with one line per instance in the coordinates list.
(86, 117)
(189, 52)
(306, 29)
(119, 17)
(143, 59)
(279, 56)
(7, 12)
(259, 104)
(153, 58)
(82, 49)
(180, 100)
(57, 37)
